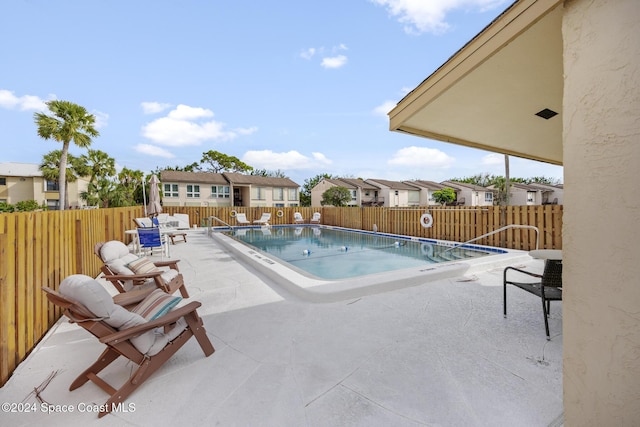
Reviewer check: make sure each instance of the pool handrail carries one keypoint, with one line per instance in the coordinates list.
(501, 229)
(212, 217)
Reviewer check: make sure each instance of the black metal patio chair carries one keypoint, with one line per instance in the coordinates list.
(549, 288)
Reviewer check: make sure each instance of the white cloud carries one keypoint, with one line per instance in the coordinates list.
(184, 112)
(493, 159)
(308, 53)
(154, 107)
(102, 119)
(152, 150)
(384, 108)
(331, 57)
(421, 157)
(420, 16)
(23, 103)
(290, 160)
(321, 158)
(334, 61)
(182, 127)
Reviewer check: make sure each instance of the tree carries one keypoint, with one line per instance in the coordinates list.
(543, 180)
(481, 179)
(130, 183)
(268, 174)
(219, 162)
(100, 165)
(105, 193)
(69, 123)
(29, 206)
(444, 196)
(193, 167)
(51, 167)
(6, 207)
(336, 196)
(305, 193)
(101, 186)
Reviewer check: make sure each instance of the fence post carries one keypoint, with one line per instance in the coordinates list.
(79, 248)
(8, 351)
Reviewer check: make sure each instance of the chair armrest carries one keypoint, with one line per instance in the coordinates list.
(528, 273)
(172, 263)
(132, 297)
(165, 320)
(113, 277)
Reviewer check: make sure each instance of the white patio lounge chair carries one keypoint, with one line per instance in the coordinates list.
(242, 219)
(297, 218)
(315, 219)
(264, 219)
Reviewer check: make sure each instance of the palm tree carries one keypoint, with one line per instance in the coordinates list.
(69, 122)
(131, 182)
(101, 165)
(51, 170)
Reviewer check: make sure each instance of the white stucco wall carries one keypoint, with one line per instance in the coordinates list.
(601, 121)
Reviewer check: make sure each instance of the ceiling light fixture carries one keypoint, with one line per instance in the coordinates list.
(546, 113)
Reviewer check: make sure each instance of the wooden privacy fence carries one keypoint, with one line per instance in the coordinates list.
(42, 248)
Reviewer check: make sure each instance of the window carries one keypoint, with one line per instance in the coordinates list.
(3, 181)
(170, 190)
(278, 194)
(353, 195)
(258, 193)
(531, 196)
(488, 197)
(414, 197)
(220, 192)
(193, 191)
(293, 193)
(51, 186)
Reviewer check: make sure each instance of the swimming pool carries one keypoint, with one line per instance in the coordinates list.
(334, 254)
(413, 257)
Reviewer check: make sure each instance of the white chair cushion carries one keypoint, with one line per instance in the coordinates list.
(96, 299)
(113, 250)
(169, 275)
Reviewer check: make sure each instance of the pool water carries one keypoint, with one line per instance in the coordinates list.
(330, 253)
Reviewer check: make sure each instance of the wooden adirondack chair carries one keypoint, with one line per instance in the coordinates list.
(127, 271)
(128, 333)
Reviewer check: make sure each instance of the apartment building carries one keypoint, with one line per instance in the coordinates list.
(24, 181)
(227, 189)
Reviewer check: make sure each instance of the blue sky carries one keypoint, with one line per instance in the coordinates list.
(300, 86)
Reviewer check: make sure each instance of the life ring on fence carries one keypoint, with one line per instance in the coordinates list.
(233, 214)
(279, 214)
(426, 220)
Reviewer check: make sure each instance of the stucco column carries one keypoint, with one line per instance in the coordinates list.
(601, 120)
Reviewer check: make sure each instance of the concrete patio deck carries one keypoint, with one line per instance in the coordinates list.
(439, 353)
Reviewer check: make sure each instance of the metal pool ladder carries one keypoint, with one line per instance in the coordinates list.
(499, 230)
(210, 222)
